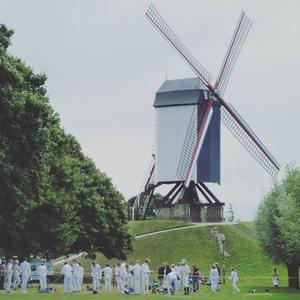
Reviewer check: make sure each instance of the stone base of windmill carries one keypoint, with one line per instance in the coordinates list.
(190, 213)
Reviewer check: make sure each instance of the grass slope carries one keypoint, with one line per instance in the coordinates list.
(199, 246)
(249, 226)
(248, 257)
(148, 226)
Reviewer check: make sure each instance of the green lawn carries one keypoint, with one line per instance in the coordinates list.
(246, 254)
(148, 226)
(249, 226)
(199, 246)
(224, 294)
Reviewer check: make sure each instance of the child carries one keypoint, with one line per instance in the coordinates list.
(275, 278)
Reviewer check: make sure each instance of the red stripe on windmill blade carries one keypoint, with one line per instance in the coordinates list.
(230, 118)
(200, 139)
(188, 146)
(239, 36)
(248, 139)
(160, 24)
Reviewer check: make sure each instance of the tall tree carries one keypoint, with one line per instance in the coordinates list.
(52, 197)
(278, 223)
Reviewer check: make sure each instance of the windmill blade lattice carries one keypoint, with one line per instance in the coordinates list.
(239, 36)
(188, 146)
(193, 142)
(249, 141)
(160, 24)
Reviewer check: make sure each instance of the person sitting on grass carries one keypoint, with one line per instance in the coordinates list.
(155, 287)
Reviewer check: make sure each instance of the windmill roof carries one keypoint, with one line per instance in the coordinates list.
(187, 91)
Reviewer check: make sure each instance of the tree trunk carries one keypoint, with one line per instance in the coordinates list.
(293, 275)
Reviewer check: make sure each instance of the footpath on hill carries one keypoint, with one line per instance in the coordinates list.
(194, 225)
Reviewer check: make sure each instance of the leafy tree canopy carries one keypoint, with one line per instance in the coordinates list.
(278, 223)
(52, 197)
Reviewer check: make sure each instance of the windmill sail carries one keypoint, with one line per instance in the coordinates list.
(238, 38)
(233, 121)
(248, 139)
(160, 24)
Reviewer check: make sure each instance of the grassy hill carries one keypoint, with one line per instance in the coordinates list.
(148, 226)
(199, 246)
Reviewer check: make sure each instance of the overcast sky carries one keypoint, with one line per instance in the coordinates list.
(105, 61)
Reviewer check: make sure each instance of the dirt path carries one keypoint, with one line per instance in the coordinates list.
(184, 228)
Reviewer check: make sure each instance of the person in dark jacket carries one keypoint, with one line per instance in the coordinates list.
(195, 278)
(161, 273)
(167, 269)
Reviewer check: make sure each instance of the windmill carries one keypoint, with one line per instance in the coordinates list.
(194, 164)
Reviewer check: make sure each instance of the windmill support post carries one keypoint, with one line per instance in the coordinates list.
(186, 204)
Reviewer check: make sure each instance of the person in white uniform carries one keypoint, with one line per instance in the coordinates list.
(129, 281)
(136, 269)
(76, 273)
(123, 275)
(8, 275)
(178, 273)
(81, 275)
(42, 272)
(213, 277)
(16, 274)
(66, 271)
(25, 275)
(185, 274)
(96, 276)
(107, 271)
(171, 279)
(234, 279)
(117, 276)
(145, 276)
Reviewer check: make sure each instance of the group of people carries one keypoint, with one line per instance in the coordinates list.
(73, 276)
(124, 277)
(13, 275)
(185, 276)
(127, 278)
(215, 275)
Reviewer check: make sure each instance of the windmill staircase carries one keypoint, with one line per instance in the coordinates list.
(142, 200)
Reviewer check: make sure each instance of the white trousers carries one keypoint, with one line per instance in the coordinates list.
(170, 282)
(43, 282)
(16, 280)
(145, 283)
(8, 279)
(122, 283)
(234, 286)
(25, 278)
(129, 280)
(96, 284)
(107, 283)
(80, 281)
(179, 284)
(76, 284)
(185, 281)
(118, 281)
(137, 284)
(67, 283)
(214, 284)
